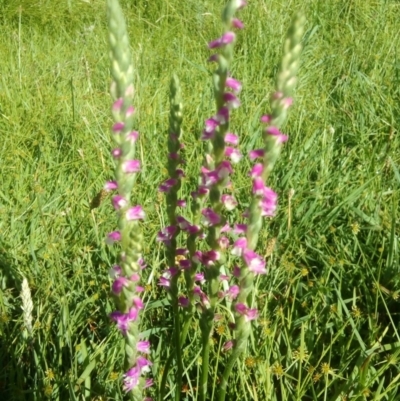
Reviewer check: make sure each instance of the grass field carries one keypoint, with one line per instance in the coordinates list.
(330, 323)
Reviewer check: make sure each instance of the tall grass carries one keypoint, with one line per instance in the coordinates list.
(330, 322)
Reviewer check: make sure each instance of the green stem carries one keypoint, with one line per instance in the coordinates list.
(164, 377)
(178, 344)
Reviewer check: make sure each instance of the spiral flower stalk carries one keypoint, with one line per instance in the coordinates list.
(126, 287)
(264, 199)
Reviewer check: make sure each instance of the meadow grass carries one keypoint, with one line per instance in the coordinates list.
(329, 324)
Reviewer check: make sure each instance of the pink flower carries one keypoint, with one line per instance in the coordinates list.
(231, 100)
(131, 378)
(236, 271)
(258, 186)
(254, 262)
(167, 185)
(113, 237)
(111, 185)
(166, 234)
(185, 264)
(118, 127)
(228, 345)
(249, 314)
(233, 84)
(135, 213)
(233, 292)
(131, 166)
(257, 170)
(118, 284)
(118, 202)
(223, 115)
(182, 251)
(233, 154)
(209, 178)
(254, 154)
(239, 246)
(129, 111)
(240, 228)
(164, 282)
(198, 257)
(115, 271)
(229, 201)
(143, 364)
(226, 228)
(181, 203)
(237, 23)
(231, 139)
(224, 169)
(223, 242)
(133, 136)
(211, 125)
(123, 319)
(116, 153)
(143, 346)
(183, 302)
(225, 39)
(266, 118)
(210, 257)
(182, 223)
(199, 277)
(179, 173)
(210, 217)
(274, 131)
(118, 104)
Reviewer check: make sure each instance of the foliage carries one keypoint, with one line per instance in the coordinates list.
(330, 322)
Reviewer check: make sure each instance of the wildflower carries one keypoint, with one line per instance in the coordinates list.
(223, 115)
(233, 154)
(166, 234)
(256, 170)
(278, 134)
(225, 39)
(228, 345)
(210, 217)
(124, 319)
(110, 185)
(118, 202)
(254, 262)
(133, 136)
(118, 284)
(239, 246)
(143, 346)
(118, 127)
(254, 154)
(240, 228)
(112, 237)
(183, 302)
(249, 314)
(231, 139)
(135, 213)
(116, 153)
(131, 166)
(236, 23)
(118, 104)
(231, 100)
(167, 185)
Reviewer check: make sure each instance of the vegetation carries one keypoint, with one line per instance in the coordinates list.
(329, 326)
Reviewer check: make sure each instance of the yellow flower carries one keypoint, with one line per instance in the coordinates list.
(355, 228)
(277, 370)
(49, 374)
(250, 362)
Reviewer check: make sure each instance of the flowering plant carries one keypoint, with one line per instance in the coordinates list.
(215, 255)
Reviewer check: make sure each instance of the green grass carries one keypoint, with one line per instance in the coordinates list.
(330, 325)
